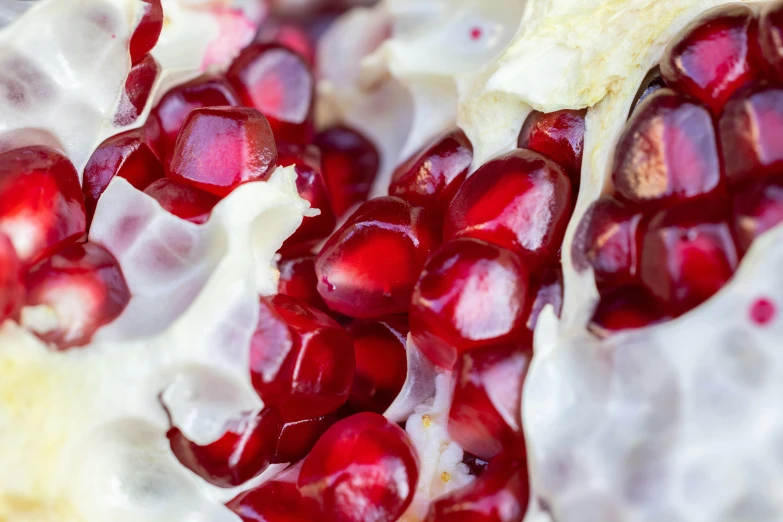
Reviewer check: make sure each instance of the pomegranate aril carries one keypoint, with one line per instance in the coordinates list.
(243, 452)
(83, 286)
(138, 86)
(11, 284)
(275, 502)
(301, 361)
(432, 177)
(751, 131)
(548, 290)
(470, 294)
(624, 308)
(220, 148)
(147, 32)
(520, 201)
(297, 438)
(183, 200)
(280, 84)
(41, 202)
(381, 362)
(126, 155)
(757, 208)
(289, 35)
(363, 469)
(166, 119)
(298, 280)
(349, 163)
(688, 254)
(560, 136)
(651, 83)
(771, 38)
(714, 56)
(500, 494)
(485, 410)
(369, 266)
(667, 152)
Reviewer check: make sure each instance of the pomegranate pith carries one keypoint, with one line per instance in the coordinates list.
(560, 136)
(147, 31)
(183, 200)
(275, 502)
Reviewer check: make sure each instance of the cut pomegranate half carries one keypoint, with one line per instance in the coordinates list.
(183, 200)
(138, 87)
(560, 136)
(147, 31)
(12, 292)
(82, 287)
(369, 266)
(220, 148)
(298, 280)
(363, 469)
(275, 502)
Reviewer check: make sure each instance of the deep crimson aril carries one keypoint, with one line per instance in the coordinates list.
(147, 31)
(558, 135)
(275, 502)
(182, 200)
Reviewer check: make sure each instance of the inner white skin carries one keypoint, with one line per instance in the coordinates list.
(677, 422)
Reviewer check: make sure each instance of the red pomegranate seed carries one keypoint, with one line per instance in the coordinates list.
(381, 362)
(520, 201)
(183, 200)
(298, 280)
(771, 38)
(11, 285)
(762, 311)
(560, 136)
(297, 438)
(84, 286)
(625, 308)
(432, 177)
(548, 290)
(41, 202)
(126, 155)
(279, 83)
(275, 502)
(243, 452)
(688, 254)
(500, 494)
(485, 410)
(312, 188)
(138, 86)
(349, 163)
(169, 114)
(363, 469)
(220, 148)
(369, 266)
(667, 152)
(714, 56)
(147, 32)
(470, 294)
(757, 208)
(612, 242)
(290, 35)
(751, 131)
(301, 361)
(651, 83)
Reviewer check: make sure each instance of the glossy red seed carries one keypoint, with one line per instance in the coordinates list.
(83, 286)
(688, 254)
(485, 410)
(241, 453)
(558, 135)
(169, 114)
(758, 207)
(714, 56)
(298, 280)
(297, 438)
(751, 131)
(11, 285)
(41, 202)
(624, 308)
(520, 201)
(301, 361)
(651, 83)
(548, 290)
(369, 266)
(381, 362)
(279, 83)
(499, 495)
(147, 31)
(126, 155)
(138, 86)
(349, 163)
(432, 176)
(219, 148)
(363, 469)
(771, 38)
(289, 35)
(275, 502)
(183, 200)
(667, 152)
(470, 294)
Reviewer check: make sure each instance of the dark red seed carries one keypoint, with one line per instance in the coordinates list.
(183, 200)
(275, 502)
(470, 294)
(280, 84)
(623, 309)
(369, 266)
(548, 290)
(758, 207)
(298, 280)
(138, 86)
(11, 284)
(520, 201)
(667, 152)
(349, 163)
(220, 148)
(651, 83)
(243, 452)
(771, 38)
(290, 35)
(714, 56)
(297, 438)
(432, 176)
(560, 136)
(147, 31)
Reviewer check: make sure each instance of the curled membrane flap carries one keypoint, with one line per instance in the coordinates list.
(418, 387)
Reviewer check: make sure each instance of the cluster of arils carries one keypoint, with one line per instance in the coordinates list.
(696, 174)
